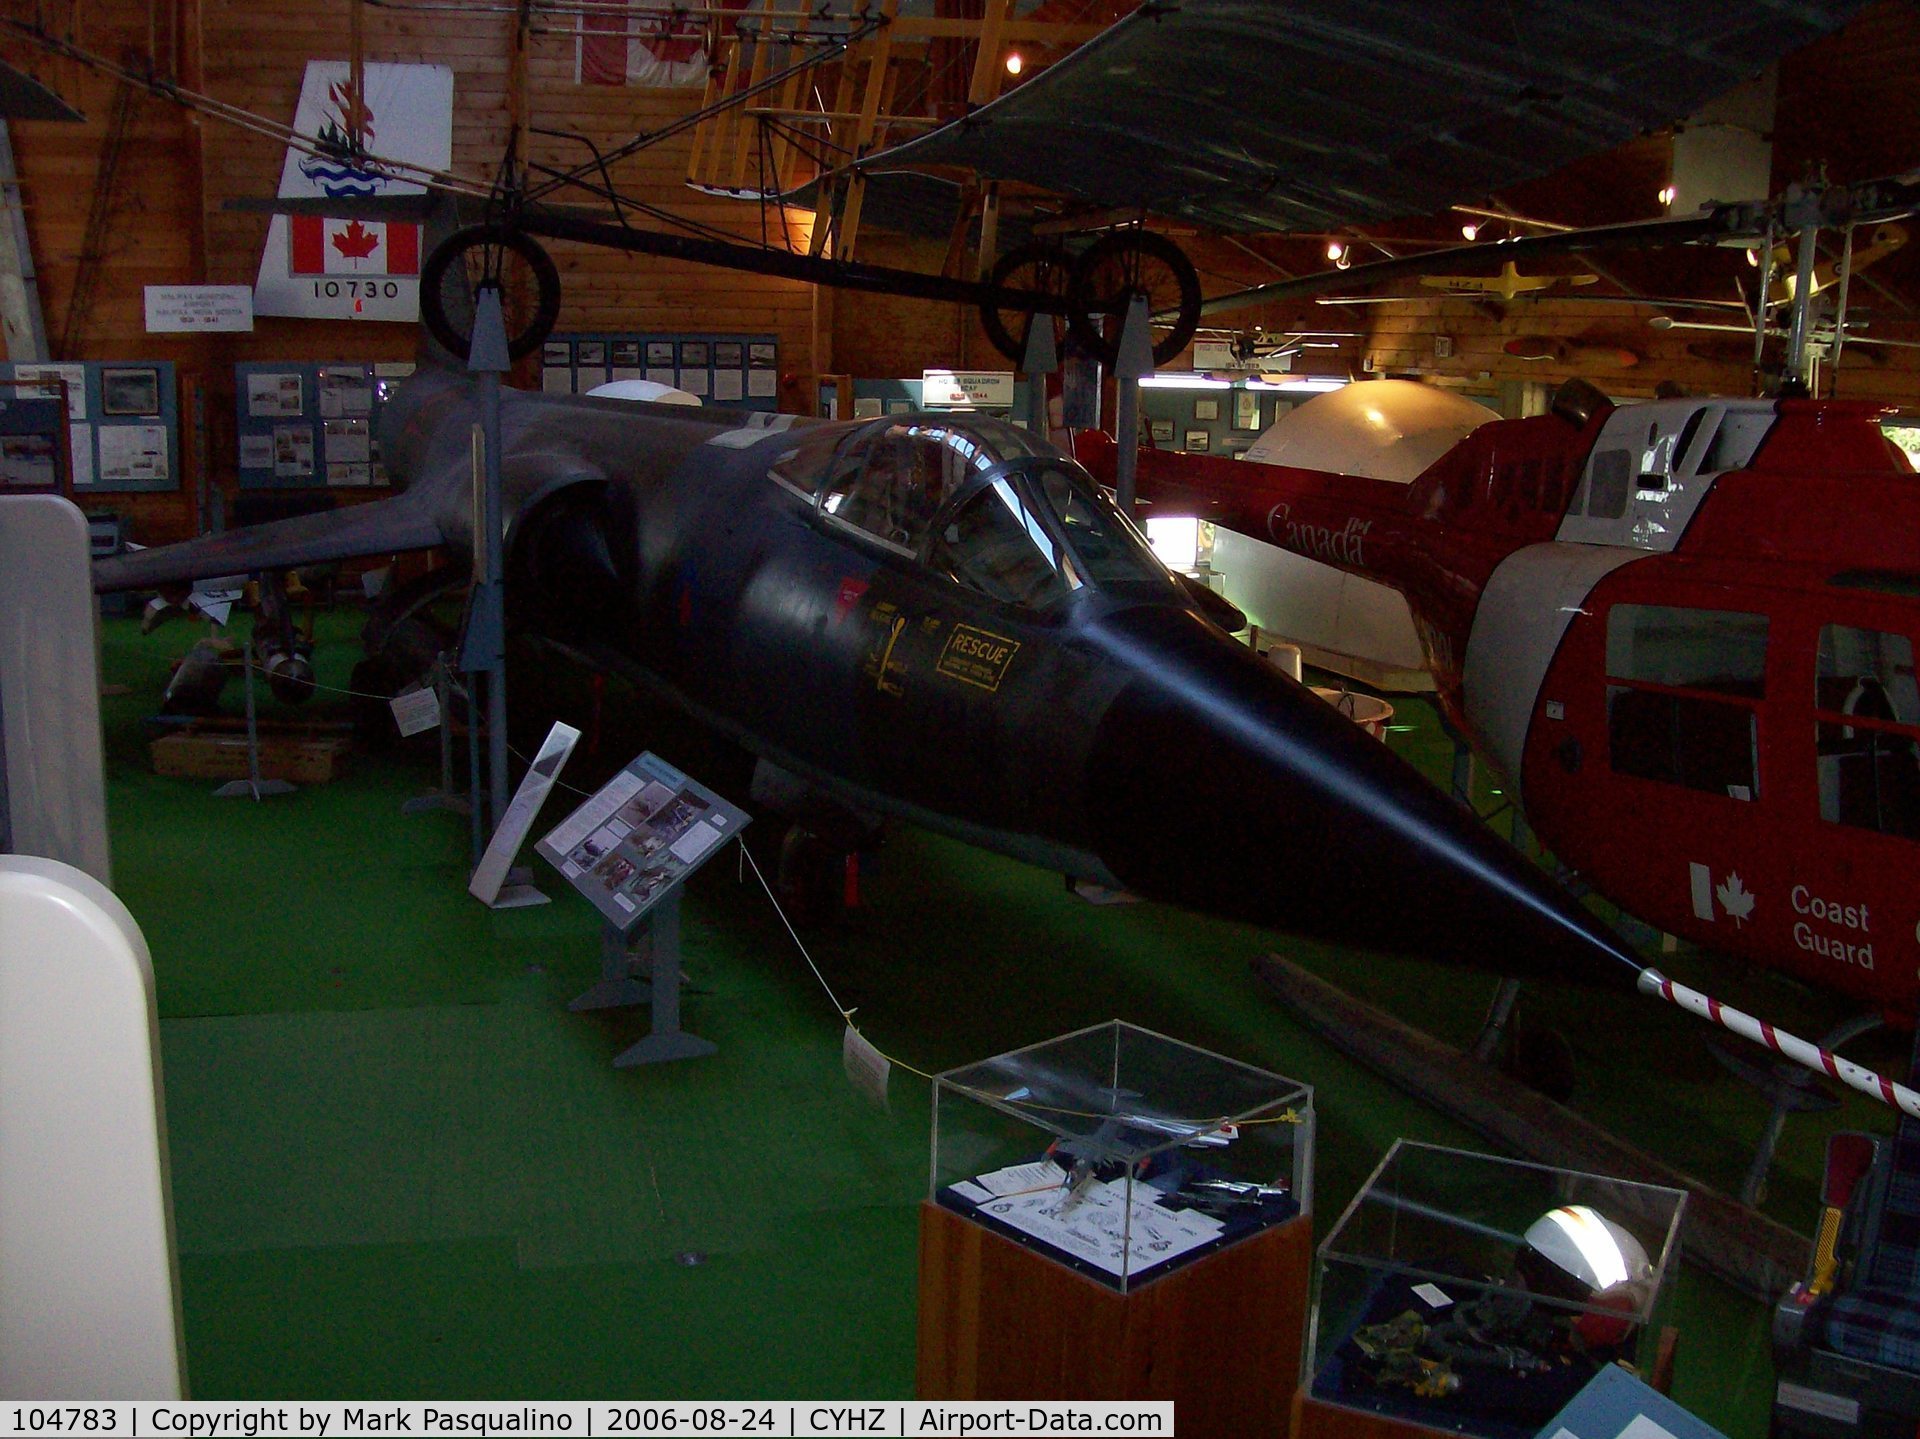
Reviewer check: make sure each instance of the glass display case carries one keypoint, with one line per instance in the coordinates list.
(1478, 1295)
(1120, 1153)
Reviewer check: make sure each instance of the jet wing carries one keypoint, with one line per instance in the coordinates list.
(382, 527)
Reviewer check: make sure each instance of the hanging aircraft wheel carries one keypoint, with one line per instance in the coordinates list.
(467, 259)
(1114, 270)
(1042, 268)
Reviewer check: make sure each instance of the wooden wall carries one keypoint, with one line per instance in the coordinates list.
(177, 170)
(168, 224)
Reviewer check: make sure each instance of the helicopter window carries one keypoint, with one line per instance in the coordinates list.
(1867, 732)
(1608, 484)
(894, 480)
(1685, 442)
(1720, 650)
(1702, 744)
(998, 544)
(1680, 701)
(1734, 442)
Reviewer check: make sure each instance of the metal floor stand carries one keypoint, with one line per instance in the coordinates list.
(621, 986)
(446, 798)
(252, 786)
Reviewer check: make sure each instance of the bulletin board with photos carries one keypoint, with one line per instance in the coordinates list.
(33, 439)
(312, 426)
(740, 372)
(123, 422)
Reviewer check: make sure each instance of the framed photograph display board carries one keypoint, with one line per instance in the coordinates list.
(123, 424)
(740, 372)
(312, 426)
(637, 838)
(33, 439)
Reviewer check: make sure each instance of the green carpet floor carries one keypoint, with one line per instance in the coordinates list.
(402, 1168)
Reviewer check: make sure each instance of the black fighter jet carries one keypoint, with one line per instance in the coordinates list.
(942, 618)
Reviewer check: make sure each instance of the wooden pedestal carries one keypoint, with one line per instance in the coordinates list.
(1316, 1419)
(1221, 1338)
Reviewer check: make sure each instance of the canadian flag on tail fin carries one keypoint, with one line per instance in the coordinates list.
(318, 246)
(374, 142)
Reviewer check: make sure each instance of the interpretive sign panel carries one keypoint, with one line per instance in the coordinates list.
(636, 839)
(491, 873)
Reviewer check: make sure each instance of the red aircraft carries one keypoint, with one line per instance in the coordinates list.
(1685, 629)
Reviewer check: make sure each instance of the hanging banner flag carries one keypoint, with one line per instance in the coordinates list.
(648, 45)
(350, 268)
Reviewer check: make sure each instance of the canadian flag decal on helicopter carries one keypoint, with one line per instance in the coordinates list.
(1734, 896)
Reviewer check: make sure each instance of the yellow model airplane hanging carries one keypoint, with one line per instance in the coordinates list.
(1507, 285)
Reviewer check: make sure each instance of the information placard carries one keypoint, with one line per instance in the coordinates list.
(639, 837)
(174, 309)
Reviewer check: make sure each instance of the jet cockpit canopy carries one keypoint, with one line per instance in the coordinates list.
(978, 500)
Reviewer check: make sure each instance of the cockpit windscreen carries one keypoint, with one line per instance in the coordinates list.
(987, 505)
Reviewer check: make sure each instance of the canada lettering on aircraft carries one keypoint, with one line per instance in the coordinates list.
(1683, 629)
(941, 618)
(1346, 545)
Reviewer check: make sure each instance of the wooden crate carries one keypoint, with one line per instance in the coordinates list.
(299, 756)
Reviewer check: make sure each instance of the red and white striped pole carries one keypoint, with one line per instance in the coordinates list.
(1823, 1061)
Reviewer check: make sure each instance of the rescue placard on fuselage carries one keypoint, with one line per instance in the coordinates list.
(977, 657)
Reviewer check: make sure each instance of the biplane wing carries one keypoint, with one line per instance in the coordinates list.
(1243, 115)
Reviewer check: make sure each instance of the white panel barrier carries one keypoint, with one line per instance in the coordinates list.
(55, 787)
(89, 1289)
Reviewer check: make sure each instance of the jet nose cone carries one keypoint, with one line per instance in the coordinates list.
(1216, 782)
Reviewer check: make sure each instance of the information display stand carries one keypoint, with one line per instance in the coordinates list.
(628, 849)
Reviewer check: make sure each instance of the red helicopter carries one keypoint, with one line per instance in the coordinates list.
(1684, 629)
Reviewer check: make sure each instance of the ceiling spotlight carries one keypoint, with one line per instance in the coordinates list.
(1753, 256)
(1336, 251)
(1667, 195)
(1469, 232)
(1014, 63)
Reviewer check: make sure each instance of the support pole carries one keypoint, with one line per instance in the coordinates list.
(1764, 304)
(1802, 302)
(619, 986)
(1135, 363)
(1840, 310)
(443, 797)
(484, 652)
(1039, 361)
(252, 787)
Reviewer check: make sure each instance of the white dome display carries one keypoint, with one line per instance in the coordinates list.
(650, 390)
(1383, 429)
